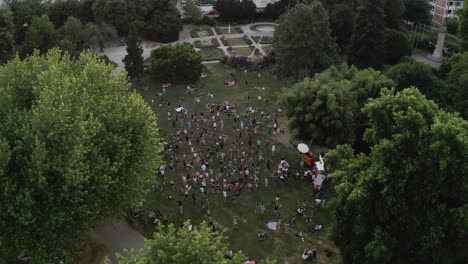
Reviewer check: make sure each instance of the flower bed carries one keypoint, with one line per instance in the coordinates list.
(201, 32)
(207, 43)
(210, 54)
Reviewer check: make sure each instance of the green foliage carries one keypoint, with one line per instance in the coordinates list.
(98, 34)
(23, 12)
(114, 12)
(394, 10)
(405, 202)
(178, 62)
(457, 78)
(192, 11)
(134, 60)
(452, 25)
(76, 147)
(198, 246)
(397, 45)
(368, 41)
(59, 11)
(315, 50)
(326, 108)
(463, 26)
(273, 11)
(421, 76)
(7, 35)
(71, 36)
(164, 26)
(342, 24)
(417, 11)
(235, 10)
(41, 35)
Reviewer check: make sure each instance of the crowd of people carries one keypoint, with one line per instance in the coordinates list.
(216, 151)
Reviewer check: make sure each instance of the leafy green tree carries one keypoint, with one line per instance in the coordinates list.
(7, 35)
(71, 36)
(342, 24)
(368, 41)
(163, 22)
(133, 60)
(86, 11)
(423, 77)
(457, 78)
(99, 34)
(114, 12)
(314, 51)
(23, 12)
(417, 11)
(59, 11)
(397, 45)
(178, 62)
(41, 35)
(192, 11)
(452, 25)
(406, 201)
(198, 246)
(463, 26)
(235, 10)
(326, 108)
(273, 11)
(163, 26)
(76, 148)
(394, 10)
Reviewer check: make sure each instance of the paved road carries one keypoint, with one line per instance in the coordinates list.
(119, 236)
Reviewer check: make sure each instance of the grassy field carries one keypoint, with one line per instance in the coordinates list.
(244, 51)
(236, 42)
(281, 245)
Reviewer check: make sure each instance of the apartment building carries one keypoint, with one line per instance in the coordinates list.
(442, 9)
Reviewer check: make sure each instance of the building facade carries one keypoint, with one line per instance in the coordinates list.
(442, 9)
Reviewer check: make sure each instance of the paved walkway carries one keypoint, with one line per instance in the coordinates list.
(427, 59)
(119, 236)
(116, 53)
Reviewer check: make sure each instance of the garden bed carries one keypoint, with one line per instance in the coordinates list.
(206, 43)
(201, 32)
(211, 54)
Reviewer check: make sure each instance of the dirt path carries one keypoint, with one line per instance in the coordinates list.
(119, 236)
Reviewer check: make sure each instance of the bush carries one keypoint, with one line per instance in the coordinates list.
(238, 62)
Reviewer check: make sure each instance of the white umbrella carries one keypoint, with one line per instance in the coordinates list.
(303, 148)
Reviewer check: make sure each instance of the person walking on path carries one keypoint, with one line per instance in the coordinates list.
(273, 148)
(234, 224)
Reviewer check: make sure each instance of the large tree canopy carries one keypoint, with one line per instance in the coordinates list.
(315, 50)
(368, 41)
(75, 147)
(417, 11)
(405, 202)
(41, 35)
(326, 108)
(178, 62)
(463, 26)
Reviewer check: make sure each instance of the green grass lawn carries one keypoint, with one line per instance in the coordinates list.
(281, 245)
(244, 51)
(236, 42)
